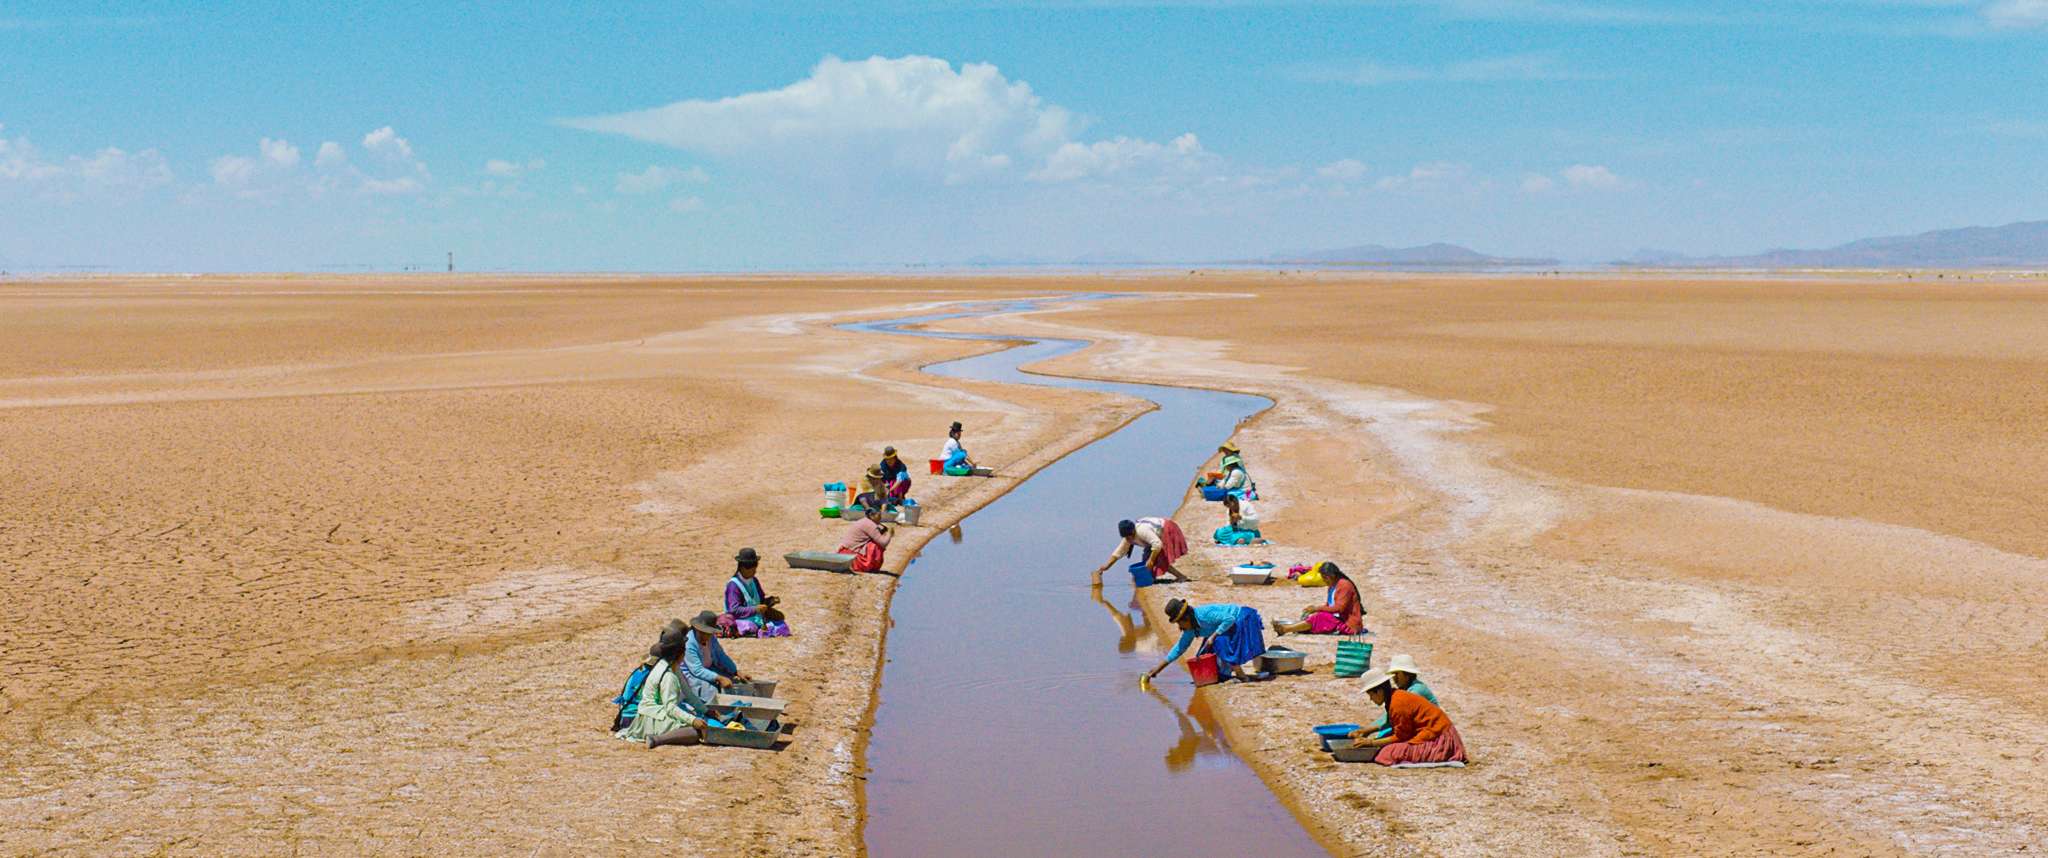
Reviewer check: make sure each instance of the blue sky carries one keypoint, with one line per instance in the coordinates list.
(714, 136)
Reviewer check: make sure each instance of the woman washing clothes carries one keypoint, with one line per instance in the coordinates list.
(1233, 632)
(1236, 480)
(749, 611)
(669, 712)
(1407, 677)
(706, 667)
(1420, 735)
(955, 456)
(1161, 539)
(1242, 529)
(867, 540)
(1341, 613)
(895, 475)
(874, 490)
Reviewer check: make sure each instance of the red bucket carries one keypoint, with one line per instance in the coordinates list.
(938, 466)
(1202, 669)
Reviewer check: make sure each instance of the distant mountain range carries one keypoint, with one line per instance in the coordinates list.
(2016, 245)
(1437, 255)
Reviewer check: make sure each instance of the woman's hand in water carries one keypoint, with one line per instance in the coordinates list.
(1363, 742)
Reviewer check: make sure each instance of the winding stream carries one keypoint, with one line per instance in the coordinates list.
(1010, 721)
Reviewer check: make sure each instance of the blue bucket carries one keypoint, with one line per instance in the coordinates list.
(1141, 575)
(1214, 493)
(1335, 731)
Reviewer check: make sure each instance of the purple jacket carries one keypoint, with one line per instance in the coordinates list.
(736, 602)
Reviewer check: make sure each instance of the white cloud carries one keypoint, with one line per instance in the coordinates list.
(278, 152)
(685, 204)
(1512, 67)
(1591, 177)
(387, 143)
(1345, 170)
(657, 177)
(1122, 155)
(2015, 14)
(1430, 176)
(1577, 177)
(912, 115)
(392, 187)
(277, 169)
(110, 170)
(512, 169)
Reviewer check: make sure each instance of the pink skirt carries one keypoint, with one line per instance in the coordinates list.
(1447, 747)
(1325, 624)
(1173, 545)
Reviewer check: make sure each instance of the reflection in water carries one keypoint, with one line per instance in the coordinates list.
(1128, 633)
(1004, 724)
(1200, 734)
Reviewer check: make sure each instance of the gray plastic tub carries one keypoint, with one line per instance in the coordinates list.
(827, 561)
(759, 734)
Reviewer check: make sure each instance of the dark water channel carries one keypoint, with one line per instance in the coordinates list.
(1010, 720)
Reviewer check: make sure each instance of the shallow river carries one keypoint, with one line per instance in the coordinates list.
(1010, 720)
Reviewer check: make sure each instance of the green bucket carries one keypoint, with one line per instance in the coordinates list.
(1353, 658)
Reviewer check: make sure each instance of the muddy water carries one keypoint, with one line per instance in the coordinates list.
(1010, 720)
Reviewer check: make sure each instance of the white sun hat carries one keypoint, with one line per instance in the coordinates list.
(1376, 680)
(1403, 664)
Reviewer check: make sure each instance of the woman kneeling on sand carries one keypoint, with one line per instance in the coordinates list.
(669, 713)
(1233, 632)
(1160, 537)
(1422, 734)
(1407, 677)
(1341, 613)
(749, 612)
(705, 665)
(895, 474)
(867, 540)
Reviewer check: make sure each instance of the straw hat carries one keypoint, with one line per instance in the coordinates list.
(1227, 447)
(1378, 679)
(874, 472)
(1403, 664)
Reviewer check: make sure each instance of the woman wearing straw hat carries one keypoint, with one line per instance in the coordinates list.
(1236, 480)
(1407, 677)
(1421, 734)
(669, 713)
(1233, 632)
(874, 491)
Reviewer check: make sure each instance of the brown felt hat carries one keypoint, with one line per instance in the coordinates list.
(671, 638)
(1176, 607)
(706, 622)
(748, 556)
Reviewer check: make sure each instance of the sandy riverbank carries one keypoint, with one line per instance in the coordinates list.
(352, 565)
(1697, 566)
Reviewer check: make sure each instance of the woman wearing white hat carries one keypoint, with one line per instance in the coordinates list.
(1422, 734)
(1407, 677)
